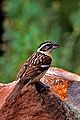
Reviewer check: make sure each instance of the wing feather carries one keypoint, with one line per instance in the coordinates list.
(40, 63)
(36, 65)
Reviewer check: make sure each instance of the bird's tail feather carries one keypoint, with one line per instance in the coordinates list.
(15, 91)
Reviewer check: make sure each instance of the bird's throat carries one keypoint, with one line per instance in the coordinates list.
(46, 53)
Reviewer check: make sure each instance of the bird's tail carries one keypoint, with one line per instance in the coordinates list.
(15, 92)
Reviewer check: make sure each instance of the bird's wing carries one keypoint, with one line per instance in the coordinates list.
(22, 70)
(35, 65)
(25, 66)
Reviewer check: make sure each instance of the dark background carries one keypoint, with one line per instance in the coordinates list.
(27, 23)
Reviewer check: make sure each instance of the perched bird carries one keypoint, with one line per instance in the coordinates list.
(34, 68)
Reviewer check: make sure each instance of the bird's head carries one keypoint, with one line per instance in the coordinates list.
(47, 47)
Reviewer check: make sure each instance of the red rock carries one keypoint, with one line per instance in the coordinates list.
(29, 104)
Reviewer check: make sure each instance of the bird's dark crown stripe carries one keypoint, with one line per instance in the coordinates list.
(45, 42)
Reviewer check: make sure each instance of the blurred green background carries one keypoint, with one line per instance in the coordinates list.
(27, 23)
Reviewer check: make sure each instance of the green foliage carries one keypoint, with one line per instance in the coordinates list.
(27, 23)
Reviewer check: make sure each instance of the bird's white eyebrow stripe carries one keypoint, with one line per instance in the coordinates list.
(43, 66)
(41, 47)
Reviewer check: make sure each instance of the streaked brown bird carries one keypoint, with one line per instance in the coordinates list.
(34, 68)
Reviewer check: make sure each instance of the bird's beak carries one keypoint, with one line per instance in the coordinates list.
(56, 46)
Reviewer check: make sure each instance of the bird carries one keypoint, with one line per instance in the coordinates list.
(34, 68)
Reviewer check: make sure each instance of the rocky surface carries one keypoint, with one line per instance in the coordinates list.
(53, 103)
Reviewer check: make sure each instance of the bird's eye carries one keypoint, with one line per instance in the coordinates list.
(47, 47)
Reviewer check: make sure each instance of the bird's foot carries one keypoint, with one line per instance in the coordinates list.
(40, 86)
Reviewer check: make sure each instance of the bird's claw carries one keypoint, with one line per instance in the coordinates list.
(41, 87)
